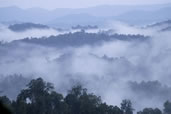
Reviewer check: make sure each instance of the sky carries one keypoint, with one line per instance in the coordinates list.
(52, 4)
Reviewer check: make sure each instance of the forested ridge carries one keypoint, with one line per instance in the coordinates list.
(80, 38)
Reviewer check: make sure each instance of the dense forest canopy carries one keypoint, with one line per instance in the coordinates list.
(81, 38)
(39, 97)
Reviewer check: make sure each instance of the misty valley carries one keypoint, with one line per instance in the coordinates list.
(95, 60)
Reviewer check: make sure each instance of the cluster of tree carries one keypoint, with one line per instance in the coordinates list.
(151, 89)
(150, 111)
(26, 26)
(40, 98)
(167, 22)
(80, 38)
(167, 29)
(166, 110)
(85, 27)
(164, 25)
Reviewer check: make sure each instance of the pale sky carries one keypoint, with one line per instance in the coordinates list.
(52, 4)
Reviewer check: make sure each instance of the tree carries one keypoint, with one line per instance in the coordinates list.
(126, 107)
(89, 103)
(38, 98)
(4, 109)
(157, 111)
(5, 100)
(81, 102)
(106, 109)
(5, 105)
(150, 111)
(72, 99)
(167, 107)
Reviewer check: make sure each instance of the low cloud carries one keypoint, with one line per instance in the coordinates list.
(108, 70)
(124, 28)
(7, 35)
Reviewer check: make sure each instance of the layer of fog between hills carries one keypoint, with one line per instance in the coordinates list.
(114, 70)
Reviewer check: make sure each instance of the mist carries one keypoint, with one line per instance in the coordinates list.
(111, 69)
(7, 35)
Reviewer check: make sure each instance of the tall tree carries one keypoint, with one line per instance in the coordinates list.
(126, 107)
(38, 98)
(167, 107)
(150, 111)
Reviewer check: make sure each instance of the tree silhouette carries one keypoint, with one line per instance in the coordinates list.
(126, 107)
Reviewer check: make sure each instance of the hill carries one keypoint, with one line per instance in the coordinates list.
(26, 26)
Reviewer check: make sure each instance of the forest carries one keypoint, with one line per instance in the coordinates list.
(39, 97)
(79, 38)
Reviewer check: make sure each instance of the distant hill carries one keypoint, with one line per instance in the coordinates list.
(161, 26)
(85, 27)
(136, 14)
(166, 23)
(79, 39)
(167, 29)
(77, 19)
(145, 16)
(26, 26)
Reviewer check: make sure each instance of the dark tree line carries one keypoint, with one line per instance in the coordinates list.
(79, 39)
(40, 98)
(85, 27)
(26, 26)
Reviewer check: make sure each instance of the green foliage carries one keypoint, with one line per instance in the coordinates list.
(40, 98)
(5, 100)
(150, 111)
(80, 102)
(5, 105)
(105, 109)
(126, 107)
(167, 107)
